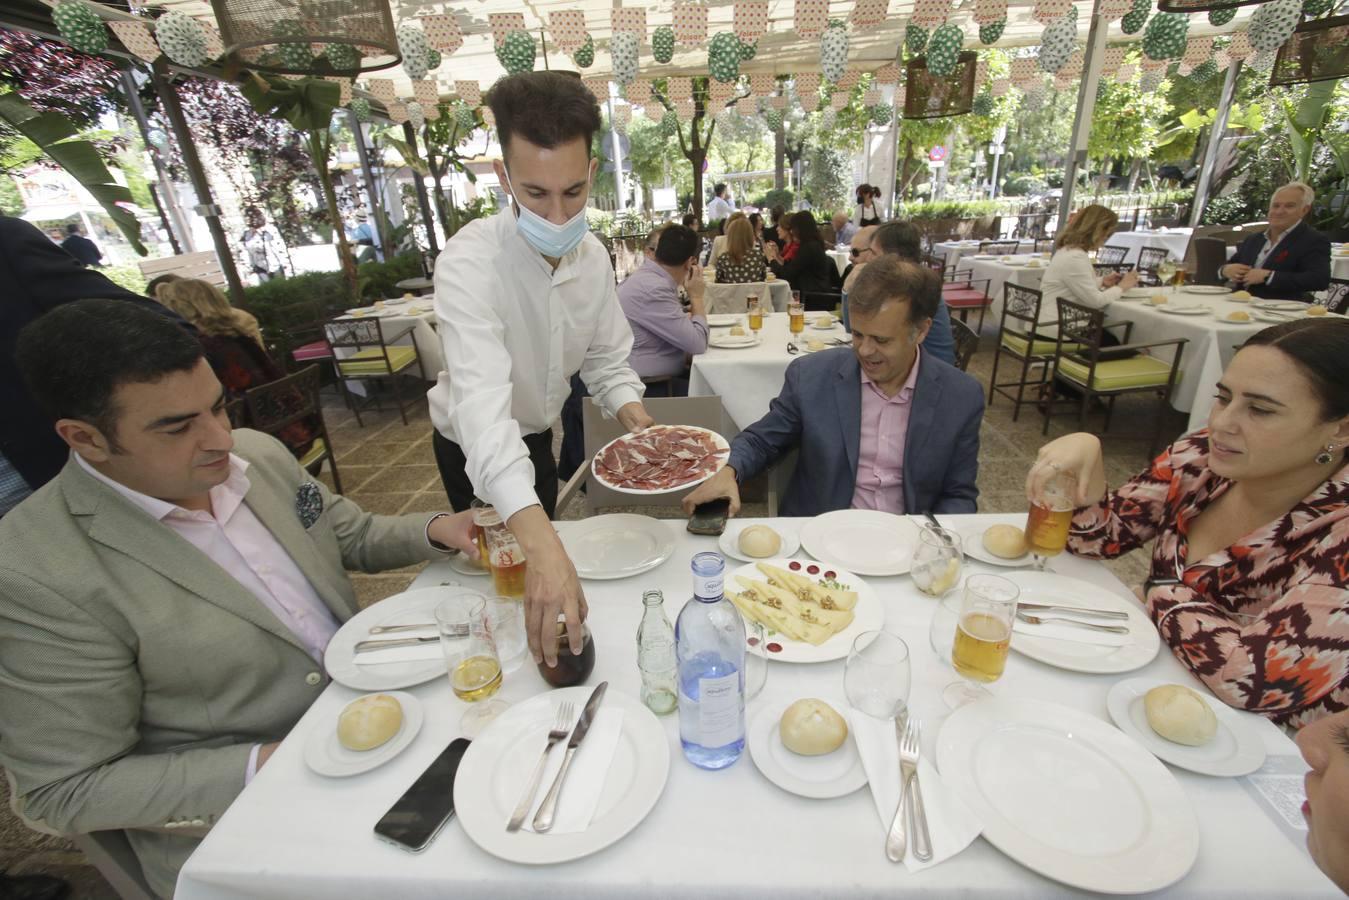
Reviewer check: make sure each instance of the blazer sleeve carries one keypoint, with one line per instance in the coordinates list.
(1314, 272)
(960, 489)
(759, 446)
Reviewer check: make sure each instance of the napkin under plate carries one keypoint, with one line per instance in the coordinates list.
(585, 779)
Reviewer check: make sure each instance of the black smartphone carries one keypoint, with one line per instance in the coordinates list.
(710, 517)
(413, 822)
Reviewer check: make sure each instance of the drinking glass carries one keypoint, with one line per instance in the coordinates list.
(572, 668)
(1049, 521)
(484, 516)
(506, 623)
(507, 561)
(983, 636)
(797, 314)
(876, 676)
(756, 658)
(470, 657)
(937, 560)
(755, 314)
(1166, 270)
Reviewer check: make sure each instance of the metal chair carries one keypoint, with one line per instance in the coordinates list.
(999, 248)
(821, 301)
(285, 404)
(1110, 255)
(1044, 245)
(1336, 298)
(966, 343)
(1078, 363)
(960, 292)
(296, 335)
(371, 357)
(721, 299)
(1104, 269)
(1149, 258)
(111, 854)
(1016, 330)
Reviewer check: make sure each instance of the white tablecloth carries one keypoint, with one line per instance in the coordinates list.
(954, 251)
(1339, 262)
(998, 273)
(423, 334)
(295, 835)
(1174, 240)
(747, 380)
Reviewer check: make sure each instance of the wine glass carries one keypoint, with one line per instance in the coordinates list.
(876, 676)
(1047, 526)
(983, 635)
(471, 657)
(1166, 271)
(937, 561)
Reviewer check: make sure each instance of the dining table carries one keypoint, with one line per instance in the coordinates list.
(1025, 269)
(413, 320)
(954, 251)
(293, 834)
(1339, 261)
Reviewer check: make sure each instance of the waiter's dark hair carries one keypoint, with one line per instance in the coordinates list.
(678, 244)
(544, 108)
(1320, 347)
(901, 239)
(891, 279)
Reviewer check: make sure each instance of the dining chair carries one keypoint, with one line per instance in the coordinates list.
(237, 413)
(1016, 330)
(1082, 362)
(297, 334)
(1104, 269)
(961, 293)
(1149, 258)
(967, 341)
(1044, 245)
(290, 410)
(732, 298)
(1336, 298)
(371, 356)
(998, 248)
(1111, 255)
(822, 301)
(1209, 256)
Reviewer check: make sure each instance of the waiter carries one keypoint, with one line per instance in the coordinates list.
(524, 300)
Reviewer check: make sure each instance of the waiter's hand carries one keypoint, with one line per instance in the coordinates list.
(634, 417)
(551, 586)
(1256, 276)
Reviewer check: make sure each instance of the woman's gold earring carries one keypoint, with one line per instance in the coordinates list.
(1326, 456)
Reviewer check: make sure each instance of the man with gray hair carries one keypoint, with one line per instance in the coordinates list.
(843, 228)
(1291, 259)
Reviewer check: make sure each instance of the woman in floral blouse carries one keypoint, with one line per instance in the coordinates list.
(1249, 582)
(742, 262)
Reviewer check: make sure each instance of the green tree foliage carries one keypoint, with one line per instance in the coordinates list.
(1126, 122)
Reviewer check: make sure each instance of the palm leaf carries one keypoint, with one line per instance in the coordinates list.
(59, 140)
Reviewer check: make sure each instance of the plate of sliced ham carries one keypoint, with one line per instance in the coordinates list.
(661, 459)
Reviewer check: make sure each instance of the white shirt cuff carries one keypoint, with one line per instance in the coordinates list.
(621, 396)
(510, 495)
(252, 764)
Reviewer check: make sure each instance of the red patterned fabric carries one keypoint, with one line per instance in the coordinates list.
(1265, 622)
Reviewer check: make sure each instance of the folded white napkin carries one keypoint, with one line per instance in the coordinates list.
(585, 779)
(950, 823)
(414, 653)
(1073, 634)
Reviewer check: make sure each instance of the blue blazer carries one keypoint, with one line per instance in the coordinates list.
(820, 411)
(1300, 263)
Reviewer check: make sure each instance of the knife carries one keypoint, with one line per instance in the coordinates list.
(543, 819)
(388, 643)
(1103, 613)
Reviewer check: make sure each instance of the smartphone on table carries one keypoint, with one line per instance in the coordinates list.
(417, 817)
(710, 517)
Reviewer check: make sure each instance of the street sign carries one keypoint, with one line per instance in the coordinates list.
(937, 153)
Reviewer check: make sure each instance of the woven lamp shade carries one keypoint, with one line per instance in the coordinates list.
(1189, 6)
(929, 96)
(258, 33)
(1317, 51)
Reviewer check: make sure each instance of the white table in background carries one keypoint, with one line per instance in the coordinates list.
(954, 251)
(1339, 262)
(398, 315)
(1174, 241)
(998, 273)
(295, 835)
(840, 258)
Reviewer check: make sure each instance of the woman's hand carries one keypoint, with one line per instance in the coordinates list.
(1128, 280)
(1078, 464)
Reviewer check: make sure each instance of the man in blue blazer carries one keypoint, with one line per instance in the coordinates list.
(881, 426)
(1288, 261)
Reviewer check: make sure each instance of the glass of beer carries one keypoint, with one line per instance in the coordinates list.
(797, 315)
(1049, 521)
(983, 636)
(507, 561)
(485, 516)
(470, 656)
(572, 668)
(755, 312)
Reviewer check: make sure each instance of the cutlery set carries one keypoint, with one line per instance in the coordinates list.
(910, 824)
(544, 818)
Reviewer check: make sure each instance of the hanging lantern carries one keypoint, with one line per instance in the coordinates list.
(1222, 15)
(1133, 22)
(182, 39)
(415, 48)
(663, 44)
(1058, 41)
(1316, 52)
(989, 34)
(915, 38)
(929, 96)
(416, 115)
(623, 51)
(360, 108)
(943, 49)
(1165, 36)
(585, 54)
(723, 56)
(1314, 8)
(983, 105)
(881, 114)
(834, 51)
(80, 26)
(1273, 24)
(253, 35)
(516, 53)
(827, 119)
(748, 49)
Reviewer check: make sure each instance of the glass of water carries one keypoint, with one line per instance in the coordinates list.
(876, 677)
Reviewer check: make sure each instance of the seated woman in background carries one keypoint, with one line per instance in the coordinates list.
(756, 222)
(719, 242)
(1249, 583)
(809, 270)
(1325, 747)
(1070, 274)
(742, 262)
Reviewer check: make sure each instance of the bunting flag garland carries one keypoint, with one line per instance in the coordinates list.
(343, 88)
(839, 100)
(135, 36)
(980, 71)
(750, 19)
(680, 87)
(746, 106)
(568, 28)
(382, 90)
(811, 17)
(849, 80)
(629, 18)
(503, 24)
(1113, 59)
(398, 112)
(986, 12)
(471, 93)
(488, 117)
(426, 92)
(443, 33)
(431, 113)
(887, 74)
(638, 92)
(598, 86)
(1240, 48)
(1000, 87)
(1115, 9)
(761, 84)
(685, 109)
(808, 86)
(1125, 73)
(690, 24)
(1073, 67)
(1198, 50)
(928, 13)
(871, 97)
(868, 13)
(719, 92)
(622, 116)
(1023, 70)
(215, 46)
(416, 116)
(779, 102)
(1049, 11)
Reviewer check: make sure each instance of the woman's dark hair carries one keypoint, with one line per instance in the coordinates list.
(677, 245)
(75, 357)
(863, 194)
(544, 108)
(806, 229)
(778, 212)
(1320, 347)
(755, 222)
(902, 239)
(690, 220)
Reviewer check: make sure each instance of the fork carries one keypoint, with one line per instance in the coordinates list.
(910, 748)
(561, 728)
(1048, 620)
(896, 841)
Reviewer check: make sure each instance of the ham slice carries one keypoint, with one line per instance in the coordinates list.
(661, 458)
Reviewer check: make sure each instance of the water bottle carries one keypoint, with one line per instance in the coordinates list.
(656, 656)
(710, 646)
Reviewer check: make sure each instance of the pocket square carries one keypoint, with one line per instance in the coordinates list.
(308, 503)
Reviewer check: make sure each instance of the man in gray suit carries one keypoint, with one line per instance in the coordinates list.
(881, 426)
(166, 600)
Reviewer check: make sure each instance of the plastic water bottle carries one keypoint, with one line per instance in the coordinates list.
(710, 646)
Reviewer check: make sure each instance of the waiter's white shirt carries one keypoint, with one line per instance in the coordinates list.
(514, 331)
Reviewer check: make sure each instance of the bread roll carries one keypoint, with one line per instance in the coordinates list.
(812, 728)
(369, 722)
(814, 344)
(824, 322)
(1005, 541)
(1315, 310)
(737, 331)
(1240, 295)
(1180, 715)
(760, 542)
(1239, 316)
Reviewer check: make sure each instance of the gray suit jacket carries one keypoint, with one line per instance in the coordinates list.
(820, 411)
(136, 675)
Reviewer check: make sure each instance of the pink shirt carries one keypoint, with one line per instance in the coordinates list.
(880, 453)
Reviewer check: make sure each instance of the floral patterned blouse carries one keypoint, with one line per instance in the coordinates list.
(1263, 623)
(747, 272)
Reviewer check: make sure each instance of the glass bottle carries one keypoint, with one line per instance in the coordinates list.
(710, 646)
(656, 656)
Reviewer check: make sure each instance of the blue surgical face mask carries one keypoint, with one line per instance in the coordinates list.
(549, 239)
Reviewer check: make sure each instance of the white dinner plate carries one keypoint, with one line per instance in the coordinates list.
(814, 322)
(617, 545)
(737, 342)
(496, 769)
(1227, 317)
(866, 541)
(1188, 309)
(1214, 289)
(1280, 305)
(1263, 315)
(729, 541)
(465, 566)
(723, 320)
(972, 542)
(868, 614)
(1068, 796)
(720, 442)
(1075, 656)
(400, 609)
(817, 777)
(1236, 748)
(325, 754)
(1137, 293)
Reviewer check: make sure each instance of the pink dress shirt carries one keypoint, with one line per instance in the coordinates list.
(880, 452)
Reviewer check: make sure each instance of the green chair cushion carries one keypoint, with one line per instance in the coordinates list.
(1019, 345)
(371, 362)
(317, 450)
(1120, 374)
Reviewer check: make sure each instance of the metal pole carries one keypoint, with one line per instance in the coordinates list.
(619, 193)
(169, 210)
(423, 200)
(1215, 141)
(371, 186)
(206, 206)
(1086, 105)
